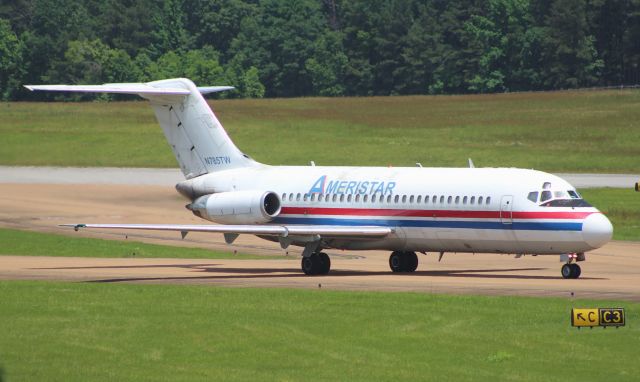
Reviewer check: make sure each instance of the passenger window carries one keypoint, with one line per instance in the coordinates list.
(366, 197)
(357, 198)
(284, 196)
(291, 197)
(342, 198)
(480, 200)
(544, 196)
(533, 196)
(298, 197)
(404, 198)
(464, 200)
(488, 199)
(305, 197)
(449, 199)
(473, 200)
(313, 197)
(389, 199)
(397, 198)
(426, 199)
(457, 200)
(373, 198)
(335, 197)
(441, 199)
(411, 199)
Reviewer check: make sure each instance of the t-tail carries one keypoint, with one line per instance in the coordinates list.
(198, 140)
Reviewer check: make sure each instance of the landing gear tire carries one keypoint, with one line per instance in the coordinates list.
(571, 271)
(326, 263)
(400, 261)
(316, 264)
(395, 262)
(576, 270)
(410, 262)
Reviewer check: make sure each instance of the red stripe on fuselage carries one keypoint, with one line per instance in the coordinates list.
(431, 213)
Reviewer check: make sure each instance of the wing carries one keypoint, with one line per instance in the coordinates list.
(284, 234)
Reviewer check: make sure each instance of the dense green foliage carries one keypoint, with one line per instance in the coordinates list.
(323, 47)
(98, 332)
(572, 131)
(26, 243)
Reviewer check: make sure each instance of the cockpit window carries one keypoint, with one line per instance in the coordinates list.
(546, 195)
(574, 194)
(560, 195)
(557, 198)
(566, 203)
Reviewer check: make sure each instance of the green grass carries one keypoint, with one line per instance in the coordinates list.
(587, 131)
(27, 243)
(95, 332)
(622, 207)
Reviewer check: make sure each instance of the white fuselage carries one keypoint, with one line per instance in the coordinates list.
(430, 209)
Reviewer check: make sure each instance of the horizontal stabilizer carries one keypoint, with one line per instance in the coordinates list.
(126, 88)
(110, 88)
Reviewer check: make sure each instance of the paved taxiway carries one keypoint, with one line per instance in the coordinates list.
(610, 272)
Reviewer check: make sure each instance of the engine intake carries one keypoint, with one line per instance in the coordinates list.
(237, 207)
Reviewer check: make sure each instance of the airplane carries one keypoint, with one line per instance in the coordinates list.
(400, 209)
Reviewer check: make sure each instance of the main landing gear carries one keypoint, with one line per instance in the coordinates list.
(318, 263)
(403, 261)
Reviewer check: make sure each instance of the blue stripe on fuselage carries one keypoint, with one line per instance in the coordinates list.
(528, 226)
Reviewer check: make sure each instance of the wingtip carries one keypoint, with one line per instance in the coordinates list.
(75, 227)
(214, 89)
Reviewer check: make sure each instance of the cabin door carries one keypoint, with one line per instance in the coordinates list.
(506, 209)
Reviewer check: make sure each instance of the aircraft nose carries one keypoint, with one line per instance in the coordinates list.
(597, 230)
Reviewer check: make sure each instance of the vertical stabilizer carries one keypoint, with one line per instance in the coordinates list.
(198, 140)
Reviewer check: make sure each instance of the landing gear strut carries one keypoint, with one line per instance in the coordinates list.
(402, 261)
(570, 271)
(318, 263)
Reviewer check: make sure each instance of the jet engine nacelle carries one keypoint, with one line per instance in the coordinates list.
(237, 207)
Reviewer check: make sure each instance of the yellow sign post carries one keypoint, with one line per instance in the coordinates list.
(590, 317)
(584, 317)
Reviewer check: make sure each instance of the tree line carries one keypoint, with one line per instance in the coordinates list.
(292, 48)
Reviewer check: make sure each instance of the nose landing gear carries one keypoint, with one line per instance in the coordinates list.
(571, 270)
